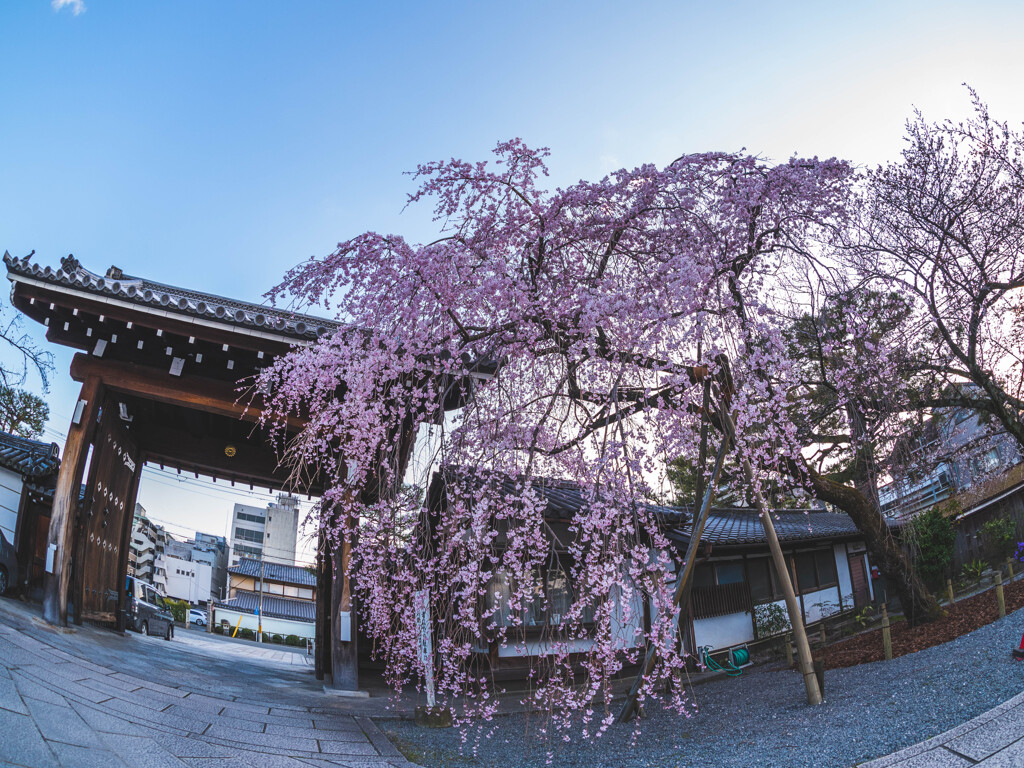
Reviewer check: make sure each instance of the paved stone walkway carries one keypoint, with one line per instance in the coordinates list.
(994, 739)
(95, 698)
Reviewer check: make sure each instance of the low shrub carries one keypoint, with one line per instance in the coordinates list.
(246, 634)
(293, 640)
(277, 639)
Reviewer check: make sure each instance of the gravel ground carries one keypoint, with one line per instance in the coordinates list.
(762, 719)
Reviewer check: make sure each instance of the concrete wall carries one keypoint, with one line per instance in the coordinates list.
(271, 626)
(10, 502)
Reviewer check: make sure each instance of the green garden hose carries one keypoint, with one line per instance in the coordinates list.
(714, 666)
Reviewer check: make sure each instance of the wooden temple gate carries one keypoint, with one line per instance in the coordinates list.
(159, 368)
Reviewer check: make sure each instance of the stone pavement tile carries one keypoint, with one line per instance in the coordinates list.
(21, 743)
(376, 736)
(348, 748)
(992, 736)
(71, 756)
(349, 734)
(173, 723)
(211, 702)
(81, 691)
(9, 698)
(140, 697)
(28, 687)
(187, 746)
(61, 723)
(285, 722)
(246, 760)
(272, 742)
(1011, 757)
(935, 758)
(104, 722)
(252, 723)
(64, 670)
(338, 723)
(138, 682)
(141, 751)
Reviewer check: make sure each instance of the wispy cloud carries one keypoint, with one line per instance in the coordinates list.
(77, 6)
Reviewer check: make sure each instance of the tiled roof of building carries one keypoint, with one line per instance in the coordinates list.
(30, 458)
(171, 299)
(287, 574)
(733, 526)
(726, 526)
(565, 498)
(273, 606)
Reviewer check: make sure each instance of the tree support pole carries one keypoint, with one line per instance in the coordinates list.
(805, 662)
(629, 706)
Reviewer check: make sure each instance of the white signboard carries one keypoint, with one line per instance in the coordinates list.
(425, 645)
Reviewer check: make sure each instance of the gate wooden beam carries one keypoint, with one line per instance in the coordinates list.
(196, 392)
(65, 502)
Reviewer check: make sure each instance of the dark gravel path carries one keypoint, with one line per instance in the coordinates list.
(761, 719)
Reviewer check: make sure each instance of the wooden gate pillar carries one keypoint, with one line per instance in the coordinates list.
(344, 655)
(60, 538)
(324, 604)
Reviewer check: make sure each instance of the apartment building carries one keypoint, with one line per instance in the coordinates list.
(269, 532)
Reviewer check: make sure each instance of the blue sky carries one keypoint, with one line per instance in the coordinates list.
(215, 144)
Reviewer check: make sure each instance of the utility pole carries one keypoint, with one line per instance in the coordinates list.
(259, 633)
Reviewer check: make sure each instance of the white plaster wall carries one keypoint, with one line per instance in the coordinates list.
(543, 648)
(723, 631)
(271, 626)
(821, 603)
(10, 501)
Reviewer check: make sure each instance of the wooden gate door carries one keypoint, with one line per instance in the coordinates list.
(107, 512)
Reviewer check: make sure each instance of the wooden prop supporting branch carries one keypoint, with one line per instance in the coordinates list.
(805, 662)
(629, 707)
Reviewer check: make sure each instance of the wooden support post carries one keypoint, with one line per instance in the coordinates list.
(344, 653)
(886, 634)
(1000, 598)
(324, 579)
(789, 650)
(805, 661)
(1009, 568)
(949, 590)
(60, 538)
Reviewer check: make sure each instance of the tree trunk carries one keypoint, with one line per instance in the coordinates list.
(919, 605)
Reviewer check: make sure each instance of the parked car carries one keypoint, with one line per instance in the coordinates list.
(147, 611)
(197, 617)
(8, 565)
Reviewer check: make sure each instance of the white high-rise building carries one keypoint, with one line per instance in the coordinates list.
(270, 532)
(281, 534)
(247, 526)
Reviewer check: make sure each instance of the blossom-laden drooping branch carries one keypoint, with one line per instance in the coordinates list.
(545, 334)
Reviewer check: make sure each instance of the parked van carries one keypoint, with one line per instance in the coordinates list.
(147, 611)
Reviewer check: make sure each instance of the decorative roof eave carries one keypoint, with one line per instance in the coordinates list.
(29, 458)
(159, 300)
